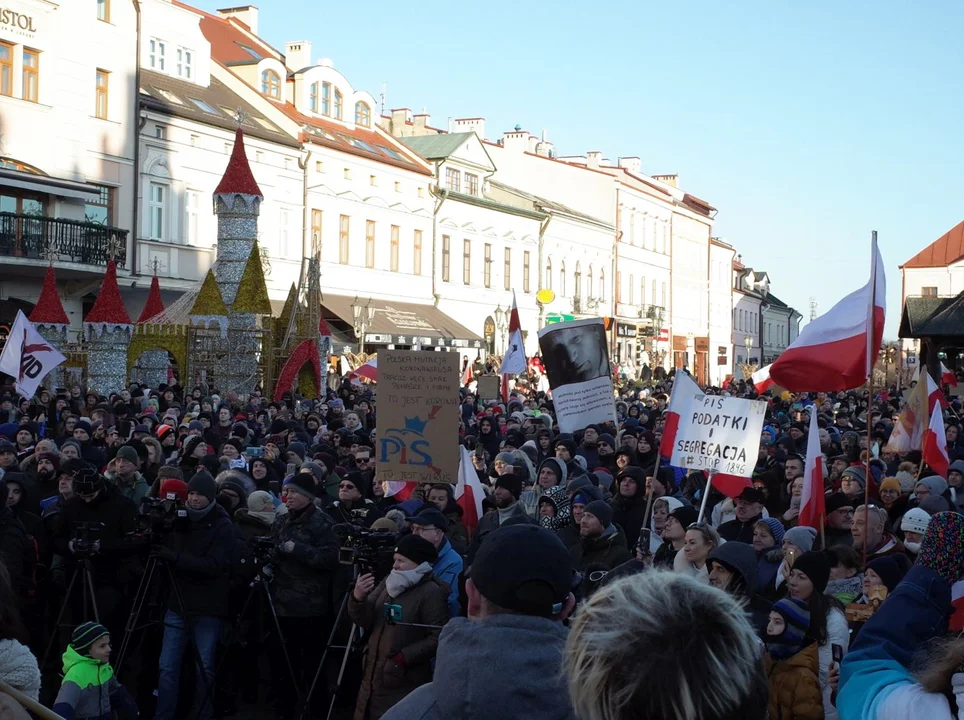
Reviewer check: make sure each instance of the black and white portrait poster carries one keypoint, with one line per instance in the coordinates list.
(576, 358)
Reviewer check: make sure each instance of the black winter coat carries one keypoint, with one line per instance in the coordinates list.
(734, 530)
(117, 514)
(303, 577)
(13, 538)
(608, 549)
(204, 551)
(630, 514)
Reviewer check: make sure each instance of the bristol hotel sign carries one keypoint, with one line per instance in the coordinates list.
(14, 21)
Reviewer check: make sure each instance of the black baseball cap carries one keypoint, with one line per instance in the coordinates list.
(431, 517)
(524, 568)
(752, 495)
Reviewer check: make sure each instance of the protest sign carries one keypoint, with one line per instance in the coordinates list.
(576, 358)
(418, 417)
(27, 356)
(720, 434)
(488, 386)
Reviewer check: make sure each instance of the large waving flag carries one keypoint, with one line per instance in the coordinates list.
(761, 379)
(469, 492)
(28, 357)
(935, 444)
(908, 432)
(514, 359)
(837, 350)
(813, 504)
(948, 377)
(680, 401)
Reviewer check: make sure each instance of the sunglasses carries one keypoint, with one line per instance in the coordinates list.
(347, 486)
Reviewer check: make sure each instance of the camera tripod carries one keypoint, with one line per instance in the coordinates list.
(83, 571)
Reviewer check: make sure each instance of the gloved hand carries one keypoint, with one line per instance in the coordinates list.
(942, 549)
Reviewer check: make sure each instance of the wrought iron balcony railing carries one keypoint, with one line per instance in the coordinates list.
(58, 239)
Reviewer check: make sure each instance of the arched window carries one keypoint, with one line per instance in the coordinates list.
(577, 282)
(363, 114)
(631, 284)
(562, 279)
(339, 115)
(589, 283)
(271, 84)
(313, 98)
(602, 285)
(548, 273)
(326, 98)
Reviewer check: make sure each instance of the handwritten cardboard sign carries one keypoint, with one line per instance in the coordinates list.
(719, 433)
(418, 417)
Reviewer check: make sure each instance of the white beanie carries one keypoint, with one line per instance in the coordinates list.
(915, 520)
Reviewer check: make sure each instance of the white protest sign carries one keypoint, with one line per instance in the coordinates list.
(721, 434)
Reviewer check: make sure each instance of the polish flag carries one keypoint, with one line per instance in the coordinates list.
(467, 374)
(730, 485)
(813, 504)
(947, 377)
(935, 445)
(837, 350)
(469, 492)
(761, 379)
(400, 490)
(956, 621)
(680, 401)
(369, 370)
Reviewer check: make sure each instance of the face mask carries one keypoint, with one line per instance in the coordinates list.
(912, 547)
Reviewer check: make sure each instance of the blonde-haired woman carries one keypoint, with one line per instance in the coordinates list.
(701, 540)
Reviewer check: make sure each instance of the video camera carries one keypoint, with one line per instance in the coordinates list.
(159, 516)
(265, 550)
(373, 551)
(83, 538)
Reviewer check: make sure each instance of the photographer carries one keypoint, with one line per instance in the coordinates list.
(307, 560)
(398, 657)
(199, 555)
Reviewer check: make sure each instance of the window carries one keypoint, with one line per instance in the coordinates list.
(185, 63)
(101, 210)
(31, 75)
(160, 132)
(562, 278)
(347, 174)
(548, 273)
(369, 243)
(158, 49)
(398, 186)
(103, 10)
(284, 222)
(313, 97)
(467, 261)
(6, 69)
(315, 230)
(602, 285)
(589, 283)
(642, 291)
(471, 184)
(421, 191)
(446, 257)
(343, 239)
(192, 207)
(417, 254)
(453, 179)
(488, 266)
(631, 284)
(525, 271)
(393, 257)
(205, 107)
(319, 166)
(508, 269)
(101, 97)
(363, 114)
(373, 180)
(271, 84)
(663, 304)
(577, 281)
(338, 104)
(158, 198)
(326, 98)
(928, 291)
(194, 139)
(643, 299)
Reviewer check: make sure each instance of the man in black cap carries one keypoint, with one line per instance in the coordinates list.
(431, 525)
(749, 510)
(508, 488)
(602, 543)
(518, 592)
(352, 506)
(840, 519)
(124, 472)
(8, 456)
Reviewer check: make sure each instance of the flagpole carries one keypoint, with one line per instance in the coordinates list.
(870, 380)
(649, 502)
(706, 495)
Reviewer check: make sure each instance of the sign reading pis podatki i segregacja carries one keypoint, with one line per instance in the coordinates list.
(721, 434)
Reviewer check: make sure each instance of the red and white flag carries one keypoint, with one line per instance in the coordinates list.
(467, 374)
(947, 377)
(680, 402)
(28, 357)
(469, 492)
(761, 379)
(837, 350)
(369, 370)
(813, 505)
(935, 444)
(514, 358)
(730, 485)
(399, 489)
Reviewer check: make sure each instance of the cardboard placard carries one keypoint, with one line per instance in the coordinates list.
(719, 433)
(489, 387)
(418, 416)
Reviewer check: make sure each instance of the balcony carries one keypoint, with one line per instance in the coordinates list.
(58, 240)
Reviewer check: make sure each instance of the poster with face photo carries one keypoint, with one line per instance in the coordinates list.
(576, 358)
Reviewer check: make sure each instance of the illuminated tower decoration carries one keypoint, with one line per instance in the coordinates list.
(107, 330)
(152, 365)
(50, 319)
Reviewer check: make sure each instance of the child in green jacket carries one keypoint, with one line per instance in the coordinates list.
(89, 690)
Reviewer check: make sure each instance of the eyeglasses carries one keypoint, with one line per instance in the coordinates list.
(362, 460)
(347, 486)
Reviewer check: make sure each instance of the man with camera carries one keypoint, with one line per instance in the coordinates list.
(199, 554)
(307, 561)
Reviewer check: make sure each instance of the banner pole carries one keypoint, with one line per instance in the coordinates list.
(706, 495)
(647, 521)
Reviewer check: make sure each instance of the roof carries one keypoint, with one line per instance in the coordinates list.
(403, 319)
(234, 47)
(436, 147)
(695, 204)
(49, 308)
(177, 97)
(774, 300)
(545, 205)
(932, 316)
(154, 305)
(238, 177)
(109, 307)
(947, 249)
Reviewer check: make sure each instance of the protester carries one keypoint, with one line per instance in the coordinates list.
(603, 545)
(674, 536)
(749, 510)
(792, 664)
(870, 534)
(701, 540)
(733, 569)
(431, 525)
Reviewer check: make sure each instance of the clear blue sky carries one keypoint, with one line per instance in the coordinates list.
(807, 124)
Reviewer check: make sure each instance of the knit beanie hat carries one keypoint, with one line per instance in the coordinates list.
(417, 549)
(915, 520)
(890, 571)
(260, 501)
(126, 452)
(83, 424)
(775, 527)
(163, 431)
(190, 444)
(942, 549)
(816, 566)
(173, 485)
(796, 618)
(511, 482)
(890, 483)
(602, 511)
(303, 483)
(203, 484)
(855, 472)
(86, 635)
(801, 536)
(51, 457)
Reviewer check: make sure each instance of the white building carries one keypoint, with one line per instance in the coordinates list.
(748, 289)
(721, 311)
(781, 325)
(67, 79)
(691, 229)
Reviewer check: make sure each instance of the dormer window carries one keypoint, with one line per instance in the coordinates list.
(313, 98)
(339, 105)
(363, 114)
(271, 84)
(326, 98)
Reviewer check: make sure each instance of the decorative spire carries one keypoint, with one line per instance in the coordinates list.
(49, 310)
(154, 305)
(209, 301)
(252, 294)
(109, 307)
(323, 328)
(238, 177)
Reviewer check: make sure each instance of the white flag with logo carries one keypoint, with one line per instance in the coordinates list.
(514, 359)
(28, 357)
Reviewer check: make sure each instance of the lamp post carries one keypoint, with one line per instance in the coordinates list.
(500, 323)
(362, 316)
(748, 342)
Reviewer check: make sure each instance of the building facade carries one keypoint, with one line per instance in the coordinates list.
(721, 356)
(748, 289)
(781, 325)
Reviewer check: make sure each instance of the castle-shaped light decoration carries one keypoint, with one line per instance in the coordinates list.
(107, 330)
(50, 319)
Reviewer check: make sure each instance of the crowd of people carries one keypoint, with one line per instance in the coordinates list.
(172, 552)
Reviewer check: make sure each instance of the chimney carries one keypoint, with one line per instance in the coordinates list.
(544, 147)
(248, 14)
(400, 119)
(421, 121)
(671, 180)
(532, 143)
(298, 54)
(630, 163)
(517, 140)
(593, 158)
(476, 125)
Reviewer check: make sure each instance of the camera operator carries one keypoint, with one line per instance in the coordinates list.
(199, 554)
(307, 561)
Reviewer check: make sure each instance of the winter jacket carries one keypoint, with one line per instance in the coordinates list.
(608, 549)
(385, 681)
(447, 569)
(768, 562)
(18, 668)
(630, 512)
(559, 499)
(136, 490)
(795, 687)
(491, 521)
(250, 525)
(501, 685)
(13, 540)
(738, 531)
(875, 678)
(838, 633)
(90, 690)
(837, 537)
(302, 584)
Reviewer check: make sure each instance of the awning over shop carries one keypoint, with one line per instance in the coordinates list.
(401, 323)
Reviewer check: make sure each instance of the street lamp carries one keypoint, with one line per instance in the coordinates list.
(362, 316)
(500, 322)
(748, 342)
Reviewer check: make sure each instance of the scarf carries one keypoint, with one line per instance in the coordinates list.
(398, 581)
(199, 515)
(263, 515)
(780, 648)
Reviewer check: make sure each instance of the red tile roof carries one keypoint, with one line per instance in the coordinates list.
(238, 177)
(49, 309)
(948, 248)
(109, 307)
(154, 305)
(227, 38)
